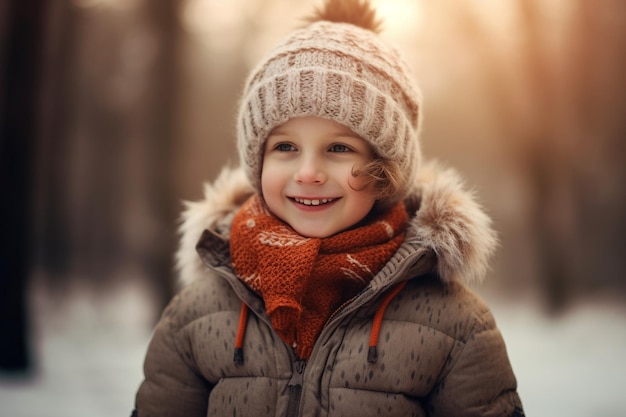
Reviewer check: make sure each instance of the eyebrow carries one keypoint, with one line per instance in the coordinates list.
(338, 134)
(277, 133)
(348, 134)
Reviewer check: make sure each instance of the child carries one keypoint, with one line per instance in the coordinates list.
(327, 275)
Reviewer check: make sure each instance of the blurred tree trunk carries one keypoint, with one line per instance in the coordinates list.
(165, 22)
(105, 204)
(548, 166)
(51, 194)
(20, 57)
(595, 69)
(534, 143)
(569, 71)
(572, 146)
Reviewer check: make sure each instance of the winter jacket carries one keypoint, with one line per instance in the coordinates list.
(415, 342)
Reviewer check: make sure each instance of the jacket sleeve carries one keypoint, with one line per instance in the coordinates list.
(480, 380)
(172, 386)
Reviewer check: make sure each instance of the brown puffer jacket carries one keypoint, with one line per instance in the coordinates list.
(416, 342)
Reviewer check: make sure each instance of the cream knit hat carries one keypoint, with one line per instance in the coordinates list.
(335, 71)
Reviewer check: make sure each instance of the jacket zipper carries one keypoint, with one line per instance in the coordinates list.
(298, 365)
(364, 296)
(295, 387)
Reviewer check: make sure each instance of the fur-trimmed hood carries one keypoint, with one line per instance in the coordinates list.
(443, 217)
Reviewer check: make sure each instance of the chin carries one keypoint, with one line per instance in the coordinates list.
(313, 233)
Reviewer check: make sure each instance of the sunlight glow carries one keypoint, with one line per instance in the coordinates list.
(205, 16)
(215, 22)
(401, 18)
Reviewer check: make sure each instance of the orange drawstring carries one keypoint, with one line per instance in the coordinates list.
(241, 331)
(372, 353)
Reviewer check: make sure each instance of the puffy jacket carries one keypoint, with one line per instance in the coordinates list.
(417, 341)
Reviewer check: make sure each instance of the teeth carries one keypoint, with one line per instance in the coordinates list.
(313, 202)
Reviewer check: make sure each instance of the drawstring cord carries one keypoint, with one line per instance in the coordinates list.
(241, 331)
(372, 352)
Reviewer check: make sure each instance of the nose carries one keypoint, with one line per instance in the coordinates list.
(310, 171)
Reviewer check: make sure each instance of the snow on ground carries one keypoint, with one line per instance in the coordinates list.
(571, 366)
(90, 353)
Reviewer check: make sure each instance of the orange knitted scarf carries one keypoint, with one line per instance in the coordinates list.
(304, 280)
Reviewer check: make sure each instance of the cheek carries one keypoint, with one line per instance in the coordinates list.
(357, 183)
(265, 182)
(270, 180)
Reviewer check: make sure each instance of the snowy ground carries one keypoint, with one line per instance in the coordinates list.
(90, 351)
(572, 366)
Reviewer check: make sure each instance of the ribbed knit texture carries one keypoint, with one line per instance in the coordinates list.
(304, 280)
(335, 71)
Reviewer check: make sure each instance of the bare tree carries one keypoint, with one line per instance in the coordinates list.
(18, 118)
(569, 143)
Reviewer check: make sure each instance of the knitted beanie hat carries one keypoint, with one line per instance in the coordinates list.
(339, 71)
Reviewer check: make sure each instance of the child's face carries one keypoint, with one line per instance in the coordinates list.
(307, 178)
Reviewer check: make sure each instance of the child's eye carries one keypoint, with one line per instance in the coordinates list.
(338, 147)
(285, 147)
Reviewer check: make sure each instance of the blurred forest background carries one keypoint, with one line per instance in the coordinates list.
(112, 112)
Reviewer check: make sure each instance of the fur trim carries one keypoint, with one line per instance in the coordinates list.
(357, 12)
(443, 217)
(453, 225)
(229, 191)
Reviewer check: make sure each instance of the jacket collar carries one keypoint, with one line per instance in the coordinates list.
(449, 233)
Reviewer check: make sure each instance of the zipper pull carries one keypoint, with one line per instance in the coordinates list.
(295, 387)
(298, 374)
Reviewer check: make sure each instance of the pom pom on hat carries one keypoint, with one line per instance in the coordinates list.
(357, 12)
(334, 68)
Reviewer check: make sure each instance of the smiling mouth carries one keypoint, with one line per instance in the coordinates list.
(308, 202)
